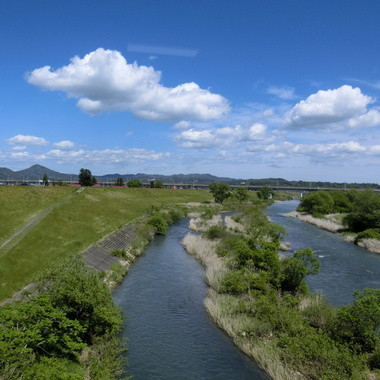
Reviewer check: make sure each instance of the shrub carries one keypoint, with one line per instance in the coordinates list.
(320, 202)
(371, 233)
(159, 224)
(241, 281)
(119, 253)
(215, 232)
(317, 356)
(358, 324)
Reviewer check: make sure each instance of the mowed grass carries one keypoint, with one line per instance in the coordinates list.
(18, 205)
(75, 225)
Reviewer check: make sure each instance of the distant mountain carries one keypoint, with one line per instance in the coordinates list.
(36, 172)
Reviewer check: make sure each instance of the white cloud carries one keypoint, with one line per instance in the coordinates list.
(344, 107)
(106, 155)
(229, 137)
(285, 93)
(64, 144)
(104, 81)
(19, 147)
(27, 141)
(182, 125)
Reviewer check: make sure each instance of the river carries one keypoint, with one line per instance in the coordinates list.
(170, 335)
(345, 267)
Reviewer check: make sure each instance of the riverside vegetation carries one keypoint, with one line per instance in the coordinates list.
(262, 301)
(357, 214)
(67, 327)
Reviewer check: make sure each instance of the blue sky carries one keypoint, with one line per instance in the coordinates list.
(247, 89)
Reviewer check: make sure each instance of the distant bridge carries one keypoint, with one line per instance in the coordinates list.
(191, 185)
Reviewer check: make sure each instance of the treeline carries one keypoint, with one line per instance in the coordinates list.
(267, 305)
(67, 331)
(305, 184)
(361, 209)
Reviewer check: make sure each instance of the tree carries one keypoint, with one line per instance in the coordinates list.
(265, 192)
(158, 185)
(119, 182)
(220, 191)
(45, 180)
(296, 268)
(86, 178)
(359, 324)
(320, 202)
(241, 194)
(134, 183)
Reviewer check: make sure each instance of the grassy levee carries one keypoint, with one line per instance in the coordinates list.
(76, 224)
(19, 205)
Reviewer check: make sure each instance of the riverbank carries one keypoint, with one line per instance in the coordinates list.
(290, 334)
(91, 349)
(222, 309)
(330, 223)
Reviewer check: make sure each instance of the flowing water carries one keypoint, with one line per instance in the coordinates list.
(345, 267)
(170, 335)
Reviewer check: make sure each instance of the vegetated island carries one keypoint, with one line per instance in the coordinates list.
(262, 301)
(352, 213)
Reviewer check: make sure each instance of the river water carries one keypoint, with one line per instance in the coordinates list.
(170, 335)
(345, 267)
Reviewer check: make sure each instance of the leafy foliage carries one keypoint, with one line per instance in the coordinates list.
(85, 178)
(359, 324)
(41, 336)
(265, 192)
(220, 191)
(134, 183)
(241, 194)
(159, 223)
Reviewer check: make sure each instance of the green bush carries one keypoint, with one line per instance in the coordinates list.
(317, 356)
(119, 253)
(371, 233)
(359, 324)
(159, 224)
(215, 232)
(320, 202)
(241, 281)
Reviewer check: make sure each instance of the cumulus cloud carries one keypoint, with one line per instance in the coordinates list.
(344, 107)
(182, 125)
(103, 81)
(19, 147)
(107, 155)
(25, 140)
(64, 144)
(221, 137)
(285, 93)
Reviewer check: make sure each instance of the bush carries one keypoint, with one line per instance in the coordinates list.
(215, 232)
(159, 224)
(371, 233)
(317, 356)
(320, 202)
(359, 324)
(241, 281)
(119, 253)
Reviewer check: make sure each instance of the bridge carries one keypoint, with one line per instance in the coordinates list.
(192, 185)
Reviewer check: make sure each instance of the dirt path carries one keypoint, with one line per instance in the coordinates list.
(11, 242)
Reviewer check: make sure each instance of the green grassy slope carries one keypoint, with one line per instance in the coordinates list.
(75, 225)
(18, 205)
